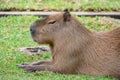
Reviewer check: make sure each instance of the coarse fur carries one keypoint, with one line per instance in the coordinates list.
(74, 48)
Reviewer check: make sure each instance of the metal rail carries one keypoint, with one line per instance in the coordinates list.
(111, 14)
(48, 13)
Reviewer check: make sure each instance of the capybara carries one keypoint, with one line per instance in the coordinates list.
(74, 48)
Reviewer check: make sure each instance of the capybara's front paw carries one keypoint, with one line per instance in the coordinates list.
(29, 68)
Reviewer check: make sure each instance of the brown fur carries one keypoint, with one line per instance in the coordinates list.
(76, 49)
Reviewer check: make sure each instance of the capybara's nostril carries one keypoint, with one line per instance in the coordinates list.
(32, 30)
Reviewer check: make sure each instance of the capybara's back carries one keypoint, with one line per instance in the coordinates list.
(104, 54)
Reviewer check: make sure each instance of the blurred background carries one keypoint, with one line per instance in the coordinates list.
(57, 5)
(14, 33)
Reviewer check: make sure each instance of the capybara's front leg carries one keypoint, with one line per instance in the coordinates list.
(32, 68)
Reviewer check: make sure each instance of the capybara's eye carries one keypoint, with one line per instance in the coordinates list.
(51, 22)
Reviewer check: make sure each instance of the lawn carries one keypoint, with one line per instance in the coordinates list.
(50, 5)
(14, 34)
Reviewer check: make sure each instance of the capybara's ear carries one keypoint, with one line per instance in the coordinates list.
(66, 15)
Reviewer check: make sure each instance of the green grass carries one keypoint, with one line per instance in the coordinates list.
(14, 33)
(46, 5)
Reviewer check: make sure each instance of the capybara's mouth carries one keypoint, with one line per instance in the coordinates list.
(34, 40)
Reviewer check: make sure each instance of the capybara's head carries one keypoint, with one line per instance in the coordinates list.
(43, 31)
